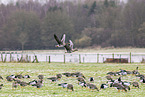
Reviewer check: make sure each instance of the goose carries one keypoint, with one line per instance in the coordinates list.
(83, 84)
(1, 85)
(64, 85)
(53, 79)
(32, 82)
(135, 72)
(23, 84)
(61, 42)
(1, 77)
(70, 86)
(16, 80)
(9, 78)
(19, 76)
(40, 76)
(141, 76)
(92, 87)
(26, 76)
(142, 80)
(109, 77)
(112, 81)
(59, 76)
(126, 86)
(135, 84)
(67, 74)
(80, 79)
(79, 74)
(118, 86)
(111, 73)
(69, 47)
(39, 84)
(104, 86)
(15, 84)
(91, 79)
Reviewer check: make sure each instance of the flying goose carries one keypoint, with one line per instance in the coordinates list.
(69, 47)
(61, 42)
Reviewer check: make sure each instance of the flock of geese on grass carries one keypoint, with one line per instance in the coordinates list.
(117, 83)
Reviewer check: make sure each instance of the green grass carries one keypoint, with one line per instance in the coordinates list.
(98, 71)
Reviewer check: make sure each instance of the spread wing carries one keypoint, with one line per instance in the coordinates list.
(63, 39)
(71, 44)
(57, 39)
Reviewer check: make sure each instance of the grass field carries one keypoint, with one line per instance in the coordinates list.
(98, 71)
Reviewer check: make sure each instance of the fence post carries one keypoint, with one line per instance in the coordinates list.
(46, 58)
(98, 58)
(10, 57)
(64, 58)
(79, 58)
(130, 57)
(49, 59)
(113, 55)
(29, 58)
(2, 57)
(83, 59)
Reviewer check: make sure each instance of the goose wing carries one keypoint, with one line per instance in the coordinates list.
(63, 39)
(57, 39)
(71, 44)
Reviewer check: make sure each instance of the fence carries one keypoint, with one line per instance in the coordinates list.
(73, 57)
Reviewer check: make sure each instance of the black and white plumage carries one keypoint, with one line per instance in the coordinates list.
(61, 42)
(142, 80)
(91, 79)
(39, 84)
(26, 76)
(69, 47)
(32, 82)
(104, 86)
(19, 76)
(64, 85)
(126, 86)
(83, 84)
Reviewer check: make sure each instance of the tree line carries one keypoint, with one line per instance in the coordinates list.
(31, 25)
